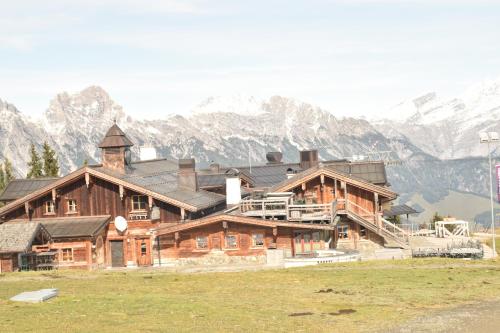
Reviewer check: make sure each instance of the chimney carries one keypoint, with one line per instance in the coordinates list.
(290, 173)
(233, 190)
(147, 153)
(115, 150)
(215, 167)
(308, 159)
(186, 176)
(274, 157)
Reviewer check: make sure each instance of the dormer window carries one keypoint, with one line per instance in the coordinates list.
(50, 208)
(138, 202)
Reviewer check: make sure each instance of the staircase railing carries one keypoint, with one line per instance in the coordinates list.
(383, 227)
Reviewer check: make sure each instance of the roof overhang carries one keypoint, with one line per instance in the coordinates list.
(312, 173)
(81, 173)
(239, 220)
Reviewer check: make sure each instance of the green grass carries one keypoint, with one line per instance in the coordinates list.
(381, 294)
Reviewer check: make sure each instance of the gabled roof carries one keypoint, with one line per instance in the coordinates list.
(161, 185)
(18, 188)
(314, 172)
(115, 138)
(217, 218)
(18, 237)
(69, 227)
(271, 174)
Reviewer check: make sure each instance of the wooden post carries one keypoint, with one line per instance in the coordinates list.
(150, 202)
(54, 195)
(183, 214)
(376, 209)
(225, 226)
(121, 190)
(176, 239)
(27, 208)
(87, 179)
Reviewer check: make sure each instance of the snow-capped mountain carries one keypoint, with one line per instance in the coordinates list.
(233, 130)
(448, 128)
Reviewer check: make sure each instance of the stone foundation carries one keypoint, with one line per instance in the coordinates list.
(215, 258)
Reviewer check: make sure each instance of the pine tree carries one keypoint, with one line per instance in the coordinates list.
(50, 163)
(35, 164)
(8, 171)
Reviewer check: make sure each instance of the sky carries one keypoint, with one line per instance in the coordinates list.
(155, 58)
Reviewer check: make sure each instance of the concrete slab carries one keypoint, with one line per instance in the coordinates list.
(35, 296)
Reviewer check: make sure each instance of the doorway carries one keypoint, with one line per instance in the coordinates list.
(143, 248)
(117, 259)
(306, 242)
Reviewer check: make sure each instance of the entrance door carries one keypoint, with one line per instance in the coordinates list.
(117, 253)
(143, 248)
(302, 242)
(306, 242)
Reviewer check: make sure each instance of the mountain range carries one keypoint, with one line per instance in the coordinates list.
(433, 150)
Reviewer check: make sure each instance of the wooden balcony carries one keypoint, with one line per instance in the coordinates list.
(283, 209)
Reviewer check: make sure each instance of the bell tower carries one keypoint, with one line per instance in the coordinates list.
(115, 150)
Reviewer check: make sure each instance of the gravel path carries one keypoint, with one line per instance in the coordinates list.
(481, 317)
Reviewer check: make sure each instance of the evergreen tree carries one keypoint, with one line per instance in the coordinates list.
(8, 171)
(2, 178)
(35, 164)
(50, 163)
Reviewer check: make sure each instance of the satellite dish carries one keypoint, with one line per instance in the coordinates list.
(120, 223)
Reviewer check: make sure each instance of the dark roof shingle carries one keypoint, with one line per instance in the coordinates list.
(70, 227)
(18, 188)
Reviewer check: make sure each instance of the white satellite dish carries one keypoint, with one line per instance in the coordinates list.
(120, 223)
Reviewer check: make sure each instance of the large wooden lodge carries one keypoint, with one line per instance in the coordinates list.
(125, 213)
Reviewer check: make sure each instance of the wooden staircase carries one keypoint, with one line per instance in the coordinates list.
(392, 234)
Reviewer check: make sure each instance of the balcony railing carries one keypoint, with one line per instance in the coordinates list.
(282, 208)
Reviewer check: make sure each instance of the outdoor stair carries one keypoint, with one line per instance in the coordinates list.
(397, 235)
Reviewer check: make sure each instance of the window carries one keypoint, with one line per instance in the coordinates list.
(144, 248)
(362, 232)
(343, 231)
(258, 240)
(71, 206)
(315, 237)
(67, 254)
(231, 242)
(50, 207)
(202, 242)
(138, 202)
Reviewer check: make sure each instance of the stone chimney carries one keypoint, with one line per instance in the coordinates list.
(115, 150)
(308, 159)
(186, 177)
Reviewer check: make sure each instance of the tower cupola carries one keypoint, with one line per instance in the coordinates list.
(115, 149)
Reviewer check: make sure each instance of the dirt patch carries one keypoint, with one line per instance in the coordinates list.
(342, 312)
(479, 317)
(300, 314)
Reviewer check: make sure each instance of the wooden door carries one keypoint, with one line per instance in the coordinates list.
(143, 248)
(117, 259)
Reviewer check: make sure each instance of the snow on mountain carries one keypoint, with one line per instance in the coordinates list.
(448, 128)
(232, 130)
(238, 104)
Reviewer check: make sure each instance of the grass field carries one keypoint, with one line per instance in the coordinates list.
(349, 297)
